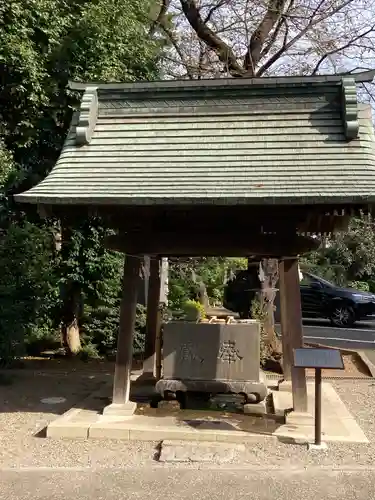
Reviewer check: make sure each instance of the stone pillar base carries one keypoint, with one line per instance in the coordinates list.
(284, 386)
(147, 377)
(149, 368)
(120, 410)
(299, 418)
(255, 409)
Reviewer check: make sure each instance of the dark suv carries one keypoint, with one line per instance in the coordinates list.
(319, 299)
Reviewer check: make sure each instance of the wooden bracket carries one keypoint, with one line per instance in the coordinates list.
(350, 107)
(88, 114)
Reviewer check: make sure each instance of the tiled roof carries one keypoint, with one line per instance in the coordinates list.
(231, 143)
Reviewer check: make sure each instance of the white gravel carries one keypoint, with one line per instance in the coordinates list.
(23, 415)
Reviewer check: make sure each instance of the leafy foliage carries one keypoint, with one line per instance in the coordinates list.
(359, 285)
(46, 43)
(28, 294)
(187, 275)
(194, 310)
(348, 256)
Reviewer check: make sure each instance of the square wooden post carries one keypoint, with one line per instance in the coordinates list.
(164, 290)
(285, 333)
(153, 319)
(291, 327)
(121, 404)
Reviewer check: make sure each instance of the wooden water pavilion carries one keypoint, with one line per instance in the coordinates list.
(226, 167)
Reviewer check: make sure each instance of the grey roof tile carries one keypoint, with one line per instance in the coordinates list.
(280, 147)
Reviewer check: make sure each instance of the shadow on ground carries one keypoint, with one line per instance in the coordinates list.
(54, 385)
(48, 391)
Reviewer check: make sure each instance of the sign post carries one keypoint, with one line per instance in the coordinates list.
(318, 406)
(318, 359)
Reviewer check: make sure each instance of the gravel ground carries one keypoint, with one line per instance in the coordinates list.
(22, 416)
(186, 484)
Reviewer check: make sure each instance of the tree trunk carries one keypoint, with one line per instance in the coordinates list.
(70, 326)
(268, 278)
(203, 296)
(70, 296)
(71, 338)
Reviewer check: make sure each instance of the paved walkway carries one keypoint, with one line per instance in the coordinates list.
(139, 484)
(32, 467)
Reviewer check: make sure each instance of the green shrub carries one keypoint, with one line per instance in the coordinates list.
(139, 330)
(360, 285)
(40, 338)
(28, 291)
(88, 351)
(186, 275)
(100, 328)
(194, 310)
(371, 285)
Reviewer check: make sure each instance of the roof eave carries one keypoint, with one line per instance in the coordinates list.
(132, 201)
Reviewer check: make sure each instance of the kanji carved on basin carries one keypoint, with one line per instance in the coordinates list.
(213, 358)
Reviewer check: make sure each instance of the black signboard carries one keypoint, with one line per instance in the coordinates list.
(318, 358)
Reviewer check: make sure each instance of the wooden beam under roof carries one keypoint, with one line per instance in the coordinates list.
(228, 243)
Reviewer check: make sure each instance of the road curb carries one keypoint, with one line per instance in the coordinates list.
(367, 362)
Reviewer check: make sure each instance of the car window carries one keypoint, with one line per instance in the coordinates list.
(308, 280)
(305, 280)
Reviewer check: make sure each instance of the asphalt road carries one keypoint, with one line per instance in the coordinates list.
(360, 336)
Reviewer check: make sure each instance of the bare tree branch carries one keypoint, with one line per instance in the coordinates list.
(213, 9)
(313, 22)
(160, 22)
(273, 14)
(273, 37)
(177, 48)
(210, 37)
(200, 60)
(281, 22)
(339, 49)
(164, 6)
(370, 95)
(317, 9)
(223, 51)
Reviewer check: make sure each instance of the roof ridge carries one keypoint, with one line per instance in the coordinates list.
(223, 83)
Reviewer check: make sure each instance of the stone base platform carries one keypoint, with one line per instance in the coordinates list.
(87, 421)
(338, 424)
(255, 390)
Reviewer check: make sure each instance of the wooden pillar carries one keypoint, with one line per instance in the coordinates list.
(124, 358)
(286, 342)
(164, 289)
(143, 282)
(153, 318)
(291, 327)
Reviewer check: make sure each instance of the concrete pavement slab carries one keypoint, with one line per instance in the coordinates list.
(338, 424)
(142, 428)
(198, 451)
(368, 357)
